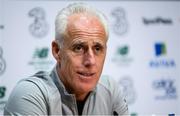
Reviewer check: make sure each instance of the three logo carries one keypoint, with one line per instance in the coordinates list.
(120, 25)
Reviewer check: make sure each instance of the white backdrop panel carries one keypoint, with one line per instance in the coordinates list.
(135, 28)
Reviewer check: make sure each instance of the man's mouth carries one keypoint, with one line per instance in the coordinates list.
(86, 74)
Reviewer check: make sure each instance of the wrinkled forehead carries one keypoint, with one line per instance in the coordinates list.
(84, 28)
(84, 21)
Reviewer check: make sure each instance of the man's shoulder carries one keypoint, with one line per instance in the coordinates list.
(31, 93)
(41, 80)
(40, 76)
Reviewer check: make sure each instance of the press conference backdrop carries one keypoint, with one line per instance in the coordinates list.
(143, 49)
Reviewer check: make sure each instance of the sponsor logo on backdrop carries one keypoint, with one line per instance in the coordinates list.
(165, 89)
(127, 86)
(39, 27)
(172, 114)
(160, 49)
(2, 62)
(2, 96)
(1, 26)
(120, 24)
(2, 91)
(157, 20)
(122, 56)
(161, 59)
(40, 59)
(134, 114)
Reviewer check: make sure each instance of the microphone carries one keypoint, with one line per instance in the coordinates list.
(115, 113)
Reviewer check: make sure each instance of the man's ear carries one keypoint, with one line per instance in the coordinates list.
(55, 50)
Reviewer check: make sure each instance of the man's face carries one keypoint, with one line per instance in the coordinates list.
(83, 53)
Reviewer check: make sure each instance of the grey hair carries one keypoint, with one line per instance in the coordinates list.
(61, 19)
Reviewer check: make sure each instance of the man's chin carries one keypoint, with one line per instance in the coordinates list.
(83, 93)
(86, 88)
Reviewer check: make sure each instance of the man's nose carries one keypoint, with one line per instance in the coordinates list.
(89, 58)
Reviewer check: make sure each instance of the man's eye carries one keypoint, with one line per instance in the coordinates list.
(98, 48)
(78, 48)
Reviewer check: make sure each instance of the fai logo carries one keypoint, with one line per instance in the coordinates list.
(165, 89)
(40, 59)
(122, 56)
(120, 25)
(2, 62)
(128, 89)
(39, 27)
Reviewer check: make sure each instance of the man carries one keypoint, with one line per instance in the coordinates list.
(73, 87)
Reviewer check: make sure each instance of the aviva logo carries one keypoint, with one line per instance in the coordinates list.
(162, 62)
(160, 49)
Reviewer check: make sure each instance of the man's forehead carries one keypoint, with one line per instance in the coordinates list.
(85, 28)
(83, 20)
(82, 16)
(94, 41)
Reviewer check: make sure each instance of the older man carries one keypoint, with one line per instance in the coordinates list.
(73, 87)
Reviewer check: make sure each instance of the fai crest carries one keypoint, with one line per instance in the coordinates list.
(128, 89)
(2, 62)
(39, 28)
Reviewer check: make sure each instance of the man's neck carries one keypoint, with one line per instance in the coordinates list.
(82, 96)
(79, 96)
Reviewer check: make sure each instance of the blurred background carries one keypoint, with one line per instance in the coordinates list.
(143, 48)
